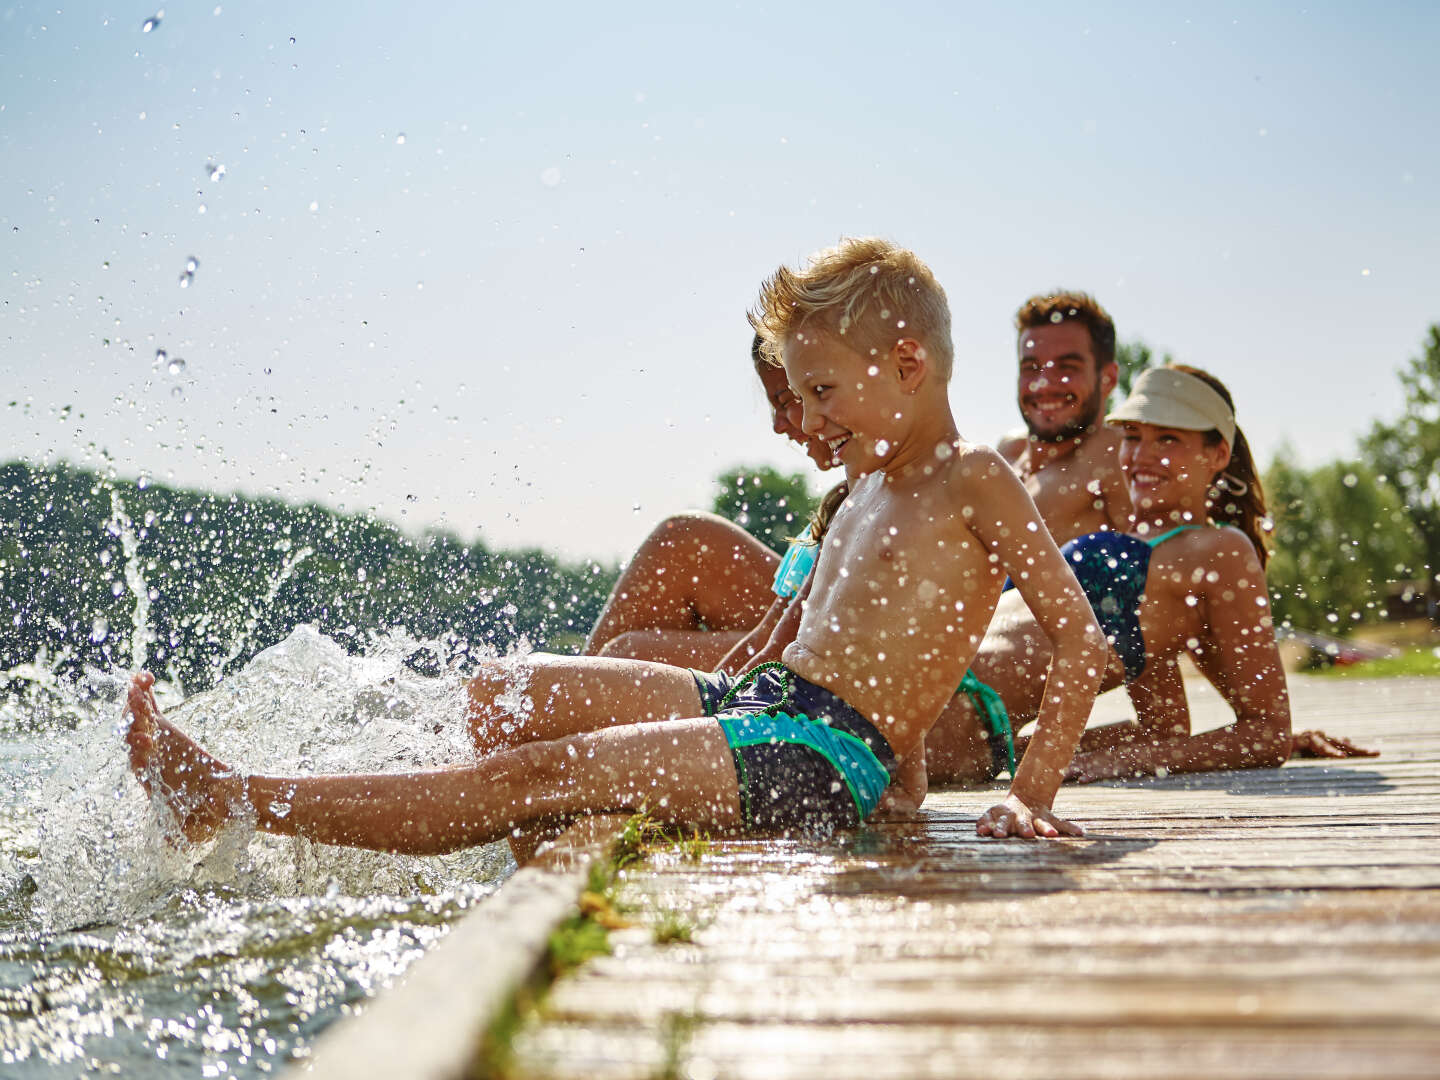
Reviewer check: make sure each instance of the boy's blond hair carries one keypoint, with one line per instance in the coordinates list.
(868, 292)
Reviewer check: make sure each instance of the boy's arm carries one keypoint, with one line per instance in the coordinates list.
(1010, 528)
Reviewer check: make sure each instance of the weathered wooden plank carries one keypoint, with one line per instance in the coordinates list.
(1265, 923)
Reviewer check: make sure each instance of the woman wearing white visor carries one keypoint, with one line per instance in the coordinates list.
(1189, 579)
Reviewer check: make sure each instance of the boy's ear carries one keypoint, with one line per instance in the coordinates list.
(910, 362)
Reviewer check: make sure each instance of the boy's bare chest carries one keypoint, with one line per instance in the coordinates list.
(898, 543)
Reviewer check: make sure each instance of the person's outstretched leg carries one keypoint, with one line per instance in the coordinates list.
(680, 770)
(691, 591)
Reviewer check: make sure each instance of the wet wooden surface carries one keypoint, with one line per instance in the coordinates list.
(1269, 923)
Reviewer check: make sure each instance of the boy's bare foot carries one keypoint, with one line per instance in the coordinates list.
(200, 790)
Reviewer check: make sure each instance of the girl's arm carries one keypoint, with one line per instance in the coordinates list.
(738, 658)
(1238, 655)
(782, 633)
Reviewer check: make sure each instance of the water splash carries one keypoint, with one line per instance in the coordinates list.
(304, 705)
(123, 528)
(246, 636)
(153, 22)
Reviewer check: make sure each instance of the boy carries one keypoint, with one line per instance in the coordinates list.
(898, 604)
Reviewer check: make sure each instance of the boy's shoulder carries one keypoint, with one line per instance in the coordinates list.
(974, 461)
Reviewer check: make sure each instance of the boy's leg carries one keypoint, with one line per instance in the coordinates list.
(680, 770)
(565, 695)
(694, 572)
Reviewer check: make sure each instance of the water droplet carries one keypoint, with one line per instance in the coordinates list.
(944, 451)
(176, 366)
(872, 370)
(1056, 317)
(882, 447)
(152, 22)
(360, 574)
(192, 264)
(400, 139)
(116, 588)
(99, 630)
(280, 809)
(217, 172)
(161, 358)
(292, 41)
(202, 208)
(185, 279)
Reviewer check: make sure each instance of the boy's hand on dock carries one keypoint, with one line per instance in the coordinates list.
(1013, 818)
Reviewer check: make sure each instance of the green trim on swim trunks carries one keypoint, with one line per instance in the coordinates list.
(746, 814)
(803, 734)
(991, 707)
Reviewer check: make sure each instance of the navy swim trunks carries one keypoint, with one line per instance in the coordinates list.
(807, 762)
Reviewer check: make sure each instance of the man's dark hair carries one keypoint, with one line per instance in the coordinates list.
(1046, 309)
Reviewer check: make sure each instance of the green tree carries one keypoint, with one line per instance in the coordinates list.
(1342, 536)
(1134, 357)
(772, 506)
(1407, 452)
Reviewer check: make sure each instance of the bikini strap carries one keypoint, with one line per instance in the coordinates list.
(1167, 535)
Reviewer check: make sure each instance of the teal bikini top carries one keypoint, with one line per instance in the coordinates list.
(795, 567)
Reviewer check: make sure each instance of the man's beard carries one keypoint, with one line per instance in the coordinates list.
(1090, 410)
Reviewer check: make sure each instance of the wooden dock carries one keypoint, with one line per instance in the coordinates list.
(1269, 923)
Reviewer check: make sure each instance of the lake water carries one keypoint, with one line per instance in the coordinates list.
(123, 953)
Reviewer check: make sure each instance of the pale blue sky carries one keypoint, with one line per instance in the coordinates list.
(526, 318)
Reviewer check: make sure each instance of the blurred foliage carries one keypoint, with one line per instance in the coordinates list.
(1407, 452)
(214, 579)
(772, 506)
(1342, 537)
(1133, 357)
(1414, 661)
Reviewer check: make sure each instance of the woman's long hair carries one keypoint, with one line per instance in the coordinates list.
(1237, 497)
(820, 519)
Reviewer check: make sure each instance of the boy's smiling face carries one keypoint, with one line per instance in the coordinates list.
(850, 402)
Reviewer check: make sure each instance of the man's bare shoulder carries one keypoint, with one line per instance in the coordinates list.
(1012, 444)
(1099, 448)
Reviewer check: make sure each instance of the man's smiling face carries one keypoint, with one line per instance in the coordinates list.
(1061, 390)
